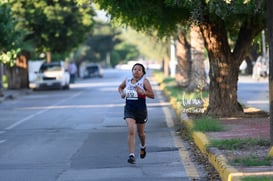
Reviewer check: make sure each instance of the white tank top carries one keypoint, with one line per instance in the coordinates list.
(130, 92)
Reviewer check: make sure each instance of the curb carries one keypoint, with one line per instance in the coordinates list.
(218, 160)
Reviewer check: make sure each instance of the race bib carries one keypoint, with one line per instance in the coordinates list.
(131, 94)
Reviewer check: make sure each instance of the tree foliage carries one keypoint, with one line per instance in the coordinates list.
(149, 45)
(122, 45)
(127, 52)
(54, 26)
(99, 42)
(219, 22)
(143, 15)
(11, 38)
(166, 15)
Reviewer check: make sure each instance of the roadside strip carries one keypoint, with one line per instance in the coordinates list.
(190, 168)
(219, 162)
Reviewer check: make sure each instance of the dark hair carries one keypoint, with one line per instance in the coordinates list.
(143, 68)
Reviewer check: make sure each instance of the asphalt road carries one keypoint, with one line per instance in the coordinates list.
(79, 135)
(254, 93)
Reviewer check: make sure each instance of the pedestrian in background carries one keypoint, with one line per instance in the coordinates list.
(135, 89)
(72, 71)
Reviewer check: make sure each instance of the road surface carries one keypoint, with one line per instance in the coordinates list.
(79, 135)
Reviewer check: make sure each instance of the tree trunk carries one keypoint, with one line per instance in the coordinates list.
(166, 67)
(13, 79)
(223, 72)
(251, 57)
(223, 88)
(22, 64)
(224, 64)
(270, 42)
(198, 77)
(17, 75)
(48, 57)
(183, 60)
(190, 72)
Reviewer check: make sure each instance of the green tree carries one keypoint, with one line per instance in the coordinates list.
(217, 21)
(190, 71)
(99, 42)
(11, 39)
(148, 44)
(127, 51)
(54, 26)
(49, 27)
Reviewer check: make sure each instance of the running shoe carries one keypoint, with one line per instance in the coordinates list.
(131, 159)
(142, 153)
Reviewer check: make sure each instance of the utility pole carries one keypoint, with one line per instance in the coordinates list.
(108, 59)
(173, 61)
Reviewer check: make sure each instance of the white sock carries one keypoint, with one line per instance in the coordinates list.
(132, 154)
(142, 146)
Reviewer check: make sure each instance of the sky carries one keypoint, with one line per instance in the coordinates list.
(101, 15)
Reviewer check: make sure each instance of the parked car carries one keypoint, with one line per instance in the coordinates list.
(93, 70)
(261, 67)
(51, 75)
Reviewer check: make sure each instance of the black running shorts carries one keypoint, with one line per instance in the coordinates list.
(139, 116)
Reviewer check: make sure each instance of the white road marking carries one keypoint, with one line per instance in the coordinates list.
(40, 112)
(2, 141)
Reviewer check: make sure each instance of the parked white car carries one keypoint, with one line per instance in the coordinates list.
(261, 68)
(51, 75)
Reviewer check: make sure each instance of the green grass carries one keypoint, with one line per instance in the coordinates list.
(207, 124)
(169, 81)
(252, 161)
(5, 81)
(236, 143)
(178, 93)
(257, 178)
